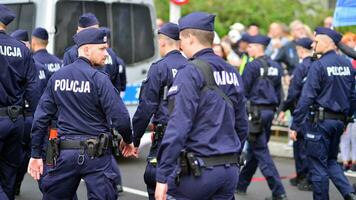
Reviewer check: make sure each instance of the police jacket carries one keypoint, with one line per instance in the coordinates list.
(296, 85)
(51, 62)
(261, 87)
(160, 75)
(87, 104)
(288, 55)
(330, 84)
(202, 122)
(18, 73)
(114, 66)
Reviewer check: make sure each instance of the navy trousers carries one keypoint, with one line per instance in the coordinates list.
(100, 175)
(258, 155)
(10, 154)
(322, 143)
(215, 183)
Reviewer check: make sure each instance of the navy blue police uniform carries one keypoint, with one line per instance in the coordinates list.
(210, 125)
(262, 81)
(42, 78)
(328, 97)
(153, 102)
(18, 77)
(87, 105)
(51, 62)
(294, 91)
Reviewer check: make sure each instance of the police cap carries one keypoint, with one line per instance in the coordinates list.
(197, 20)
(259, 39)
(245, 37)
(87, 19)
(20, 34)
(90, 36)
(335, 36)
(304, 42)
(170, 30)
(40, 33)
(107, 31)
(6, 15)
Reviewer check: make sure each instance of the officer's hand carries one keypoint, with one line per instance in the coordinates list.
(293, 135)
(35, 168)
(136, 152)
(161, 191)
(281, 116)
(127, 149)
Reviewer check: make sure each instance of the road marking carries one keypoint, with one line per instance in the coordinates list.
(134, 191)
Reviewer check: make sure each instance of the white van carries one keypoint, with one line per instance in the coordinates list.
(132, 24)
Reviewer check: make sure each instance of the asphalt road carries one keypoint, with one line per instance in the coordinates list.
(132, 171)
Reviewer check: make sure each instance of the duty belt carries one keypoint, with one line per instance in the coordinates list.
(219, 160)
(335, 116)
(264, 107)
(12, 112)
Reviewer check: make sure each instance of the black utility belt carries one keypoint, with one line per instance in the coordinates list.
(217, 160)
(13, 112)
(159, 128)
(321, 114)
(264, 107)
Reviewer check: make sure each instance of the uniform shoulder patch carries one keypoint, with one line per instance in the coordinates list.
(173, 90)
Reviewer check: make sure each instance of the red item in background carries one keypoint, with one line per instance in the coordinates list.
(180, 2)
(353, 64)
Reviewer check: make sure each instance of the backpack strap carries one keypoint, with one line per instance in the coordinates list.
(210, 83)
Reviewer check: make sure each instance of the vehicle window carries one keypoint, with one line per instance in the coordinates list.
(132, 33)
(66, 24)
(25, 17)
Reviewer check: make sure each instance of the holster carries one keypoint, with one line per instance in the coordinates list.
(255, 124)
(52, 152)
(116, 138)
(157, 135)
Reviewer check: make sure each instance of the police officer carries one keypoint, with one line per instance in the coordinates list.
(262, 82)
(153, 100)
(18, 76)
(208, 120)
(114, 66)
(39, 42)
(304, 50)
(87, 105)
(42, 78)
(330, 90)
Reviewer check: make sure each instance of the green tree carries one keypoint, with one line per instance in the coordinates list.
(261, 12)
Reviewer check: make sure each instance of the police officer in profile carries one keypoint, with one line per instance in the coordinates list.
(328, 98)
(305, 52)
(153, 99)
(42, 79)
(18, 77)
(115, 66)
(87, 105)
(262, 82)
(39, 42)
(208, 122)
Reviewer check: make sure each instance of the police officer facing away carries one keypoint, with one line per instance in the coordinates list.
(262, 81)
(18, 76)
(153, 98)
(328, 97)
(87, 105)
(39, 42)
(42, 78)
(208, 120)
(304, 50)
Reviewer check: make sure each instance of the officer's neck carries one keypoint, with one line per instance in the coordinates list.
(170, 49)
(198, 47)
(38, 48)
(259, 54)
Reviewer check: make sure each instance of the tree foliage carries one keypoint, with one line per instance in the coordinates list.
(261, 12)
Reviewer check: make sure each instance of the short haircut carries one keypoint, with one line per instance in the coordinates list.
(40, 41)
(206, 38)
(169, 40)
